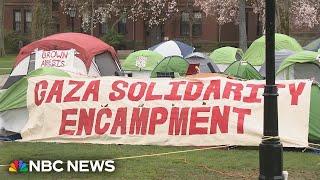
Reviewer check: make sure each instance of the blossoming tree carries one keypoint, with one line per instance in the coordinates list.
(95, 11)
(292, 13)
(297, 13)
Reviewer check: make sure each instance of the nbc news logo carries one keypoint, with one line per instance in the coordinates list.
(57, 166)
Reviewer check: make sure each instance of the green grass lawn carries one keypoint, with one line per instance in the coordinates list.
(239, 163)
(6, 63)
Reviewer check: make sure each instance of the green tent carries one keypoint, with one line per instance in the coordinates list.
(172, 64)
(15, 96)
(144, 60)
(244, 70)
(302, 65)
(305, 65)
(226, 55)
(255, 55)
(314, 116)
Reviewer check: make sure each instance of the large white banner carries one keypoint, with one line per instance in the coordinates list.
(180, 112)
(61, 59)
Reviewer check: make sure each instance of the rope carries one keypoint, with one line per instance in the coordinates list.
(153, 155)
(184, 160)
(318, 149)
(174, 152)
(221, 172)
(192, 150)
(313, 144)
(265, 138)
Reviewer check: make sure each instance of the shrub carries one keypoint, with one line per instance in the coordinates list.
(114, 39)
(11, 41)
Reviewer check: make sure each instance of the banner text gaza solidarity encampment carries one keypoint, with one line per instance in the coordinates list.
(183, 120)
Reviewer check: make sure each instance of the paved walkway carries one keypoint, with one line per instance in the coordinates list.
(3, 79)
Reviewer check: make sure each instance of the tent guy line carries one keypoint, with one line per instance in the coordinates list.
(184, 151)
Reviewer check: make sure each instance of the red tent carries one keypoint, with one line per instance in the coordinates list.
(90, 56)
(87, 46)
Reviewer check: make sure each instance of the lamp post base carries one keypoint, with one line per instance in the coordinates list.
(270, 155)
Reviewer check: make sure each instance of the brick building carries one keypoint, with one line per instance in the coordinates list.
(18, 16)
(206, 35)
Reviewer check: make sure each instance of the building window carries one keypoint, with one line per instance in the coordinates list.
(196, 29)
(17, 21)
(122, 26)
(27, 21)
(259, 28)
(184, 24)
(196, 26)
(103, 28)
(55, 5)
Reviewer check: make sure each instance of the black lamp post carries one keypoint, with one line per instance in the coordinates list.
(72, 13)
(270, 149)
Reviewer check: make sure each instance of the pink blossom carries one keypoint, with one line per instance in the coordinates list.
(303, 13)
(154, 12)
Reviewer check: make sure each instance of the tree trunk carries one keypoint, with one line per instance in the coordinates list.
(134, 34)
(117, 21)
(191, 21)
(243, 44)
(92, 16)
(277, 18)
(41, 20)
(2, 51)
(283, 17)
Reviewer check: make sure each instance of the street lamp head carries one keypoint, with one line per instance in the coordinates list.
(72, 11)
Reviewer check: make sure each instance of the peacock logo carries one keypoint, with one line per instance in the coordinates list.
(18, 166)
